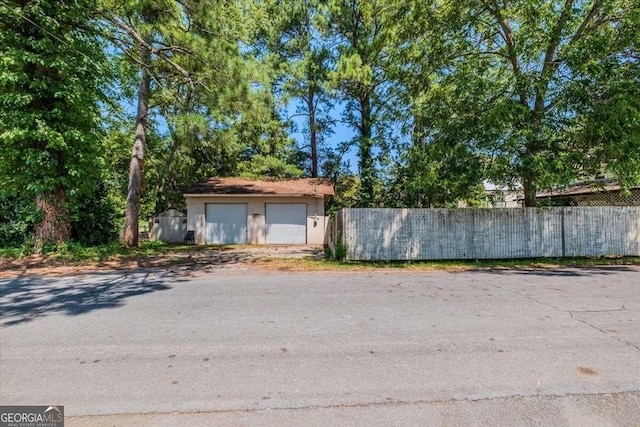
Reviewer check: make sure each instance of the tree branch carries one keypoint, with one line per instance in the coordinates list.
(510, 41)
(550, 63)
(597, 4)
(160, 52)
(555, 39)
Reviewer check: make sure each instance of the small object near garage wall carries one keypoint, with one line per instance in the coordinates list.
(431, 234)
(269, 219)
(169, 227)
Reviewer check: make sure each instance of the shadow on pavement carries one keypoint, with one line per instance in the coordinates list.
(200, 258)
(24, 299)
(562, 271)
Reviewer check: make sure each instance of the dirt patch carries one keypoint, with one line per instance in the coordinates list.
(35, 265)
(586, 371)
(276, 258)
(201, 259)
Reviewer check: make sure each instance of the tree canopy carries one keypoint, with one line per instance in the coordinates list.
(52, 71)
(120, 106)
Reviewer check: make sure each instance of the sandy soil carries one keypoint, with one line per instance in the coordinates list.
(207, 258)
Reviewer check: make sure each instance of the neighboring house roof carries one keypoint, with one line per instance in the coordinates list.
(582, 188)
(246, 186)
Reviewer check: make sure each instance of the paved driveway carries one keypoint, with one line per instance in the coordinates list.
(245, 347)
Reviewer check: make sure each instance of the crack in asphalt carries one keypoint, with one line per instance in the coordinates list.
(572, 314)
(630, 344)
(386, 403)
(541, 303)
(597, 311)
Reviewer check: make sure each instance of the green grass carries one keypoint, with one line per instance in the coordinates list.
(74, 252)
(327, 264)
(10, 252)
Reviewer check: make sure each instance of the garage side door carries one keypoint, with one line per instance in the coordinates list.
(226, 223)
(286, 223)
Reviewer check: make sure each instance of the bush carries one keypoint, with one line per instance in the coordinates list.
(18, 217)
(94, 221)
(340, 251)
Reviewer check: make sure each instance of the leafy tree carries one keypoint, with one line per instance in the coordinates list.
(436, 175)
(309, 86)
(18, 219)
(181, 48)
(605, 95)
(94, 222)
(360, 34)
(296, 44)
(513, 79)
(266, 150)
(345, 182)
(52, 69)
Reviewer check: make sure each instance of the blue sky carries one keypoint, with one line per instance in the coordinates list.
(341, 133)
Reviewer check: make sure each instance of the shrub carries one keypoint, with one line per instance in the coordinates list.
(94, 221)
(18, 217)
(340, 251)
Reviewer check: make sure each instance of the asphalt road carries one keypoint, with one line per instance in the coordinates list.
(247, 347)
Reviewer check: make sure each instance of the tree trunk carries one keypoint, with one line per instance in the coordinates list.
(530, 190)
(55, 224)
(367, 173)
(162, 205)
(419, 129)
(132, 211)
(529, 183)
(313, 132)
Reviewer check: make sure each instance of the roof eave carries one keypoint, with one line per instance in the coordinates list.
(255, 195)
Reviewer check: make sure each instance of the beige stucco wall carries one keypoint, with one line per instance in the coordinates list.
(316, 221)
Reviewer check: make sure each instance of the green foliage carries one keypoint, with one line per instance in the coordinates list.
(260, 166)
(303, 63)
(78, 253)
(51, 73)
(214, 110)
(340, 251)
(441, 96)
(437, 175)
(347, 188)
(92, 223)
(52, 68)
(360, 77)
(95, 219)
(525, 86)
(608, 127)
(18, 217)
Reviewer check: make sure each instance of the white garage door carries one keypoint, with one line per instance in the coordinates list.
(226, 223)
(286, 223)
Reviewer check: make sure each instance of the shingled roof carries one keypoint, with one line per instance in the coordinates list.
(246, 186)
(588, 187)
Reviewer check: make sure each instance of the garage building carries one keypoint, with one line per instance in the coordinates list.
(245, 211)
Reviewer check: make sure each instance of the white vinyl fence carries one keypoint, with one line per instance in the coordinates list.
(430, 234)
